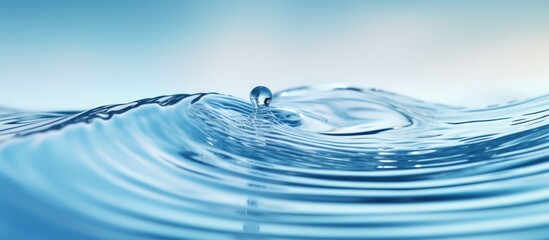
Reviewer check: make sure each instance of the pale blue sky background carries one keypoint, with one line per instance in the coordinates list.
(77, 54)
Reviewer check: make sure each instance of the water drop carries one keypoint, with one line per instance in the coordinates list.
(261, 96)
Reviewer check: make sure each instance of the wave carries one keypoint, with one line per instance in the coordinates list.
(318, 163)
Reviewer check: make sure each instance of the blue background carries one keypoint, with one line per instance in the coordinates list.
(82, 53)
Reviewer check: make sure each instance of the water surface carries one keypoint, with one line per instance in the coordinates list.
(311, 163)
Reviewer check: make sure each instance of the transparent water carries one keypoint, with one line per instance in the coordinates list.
(318, 163)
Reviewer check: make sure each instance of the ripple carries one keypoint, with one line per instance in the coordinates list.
(315, 163)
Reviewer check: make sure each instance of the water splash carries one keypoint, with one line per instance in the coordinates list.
(321, 163)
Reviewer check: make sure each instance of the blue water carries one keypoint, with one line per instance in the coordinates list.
(309, 163)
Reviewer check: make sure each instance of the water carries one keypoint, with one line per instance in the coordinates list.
(261, 96)
(317, 163)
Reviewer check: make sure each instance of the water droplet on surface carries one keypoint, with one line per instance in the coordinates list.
(261, 96)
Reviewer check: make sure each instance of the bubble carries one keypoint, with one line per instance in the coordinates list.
(261, 96)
